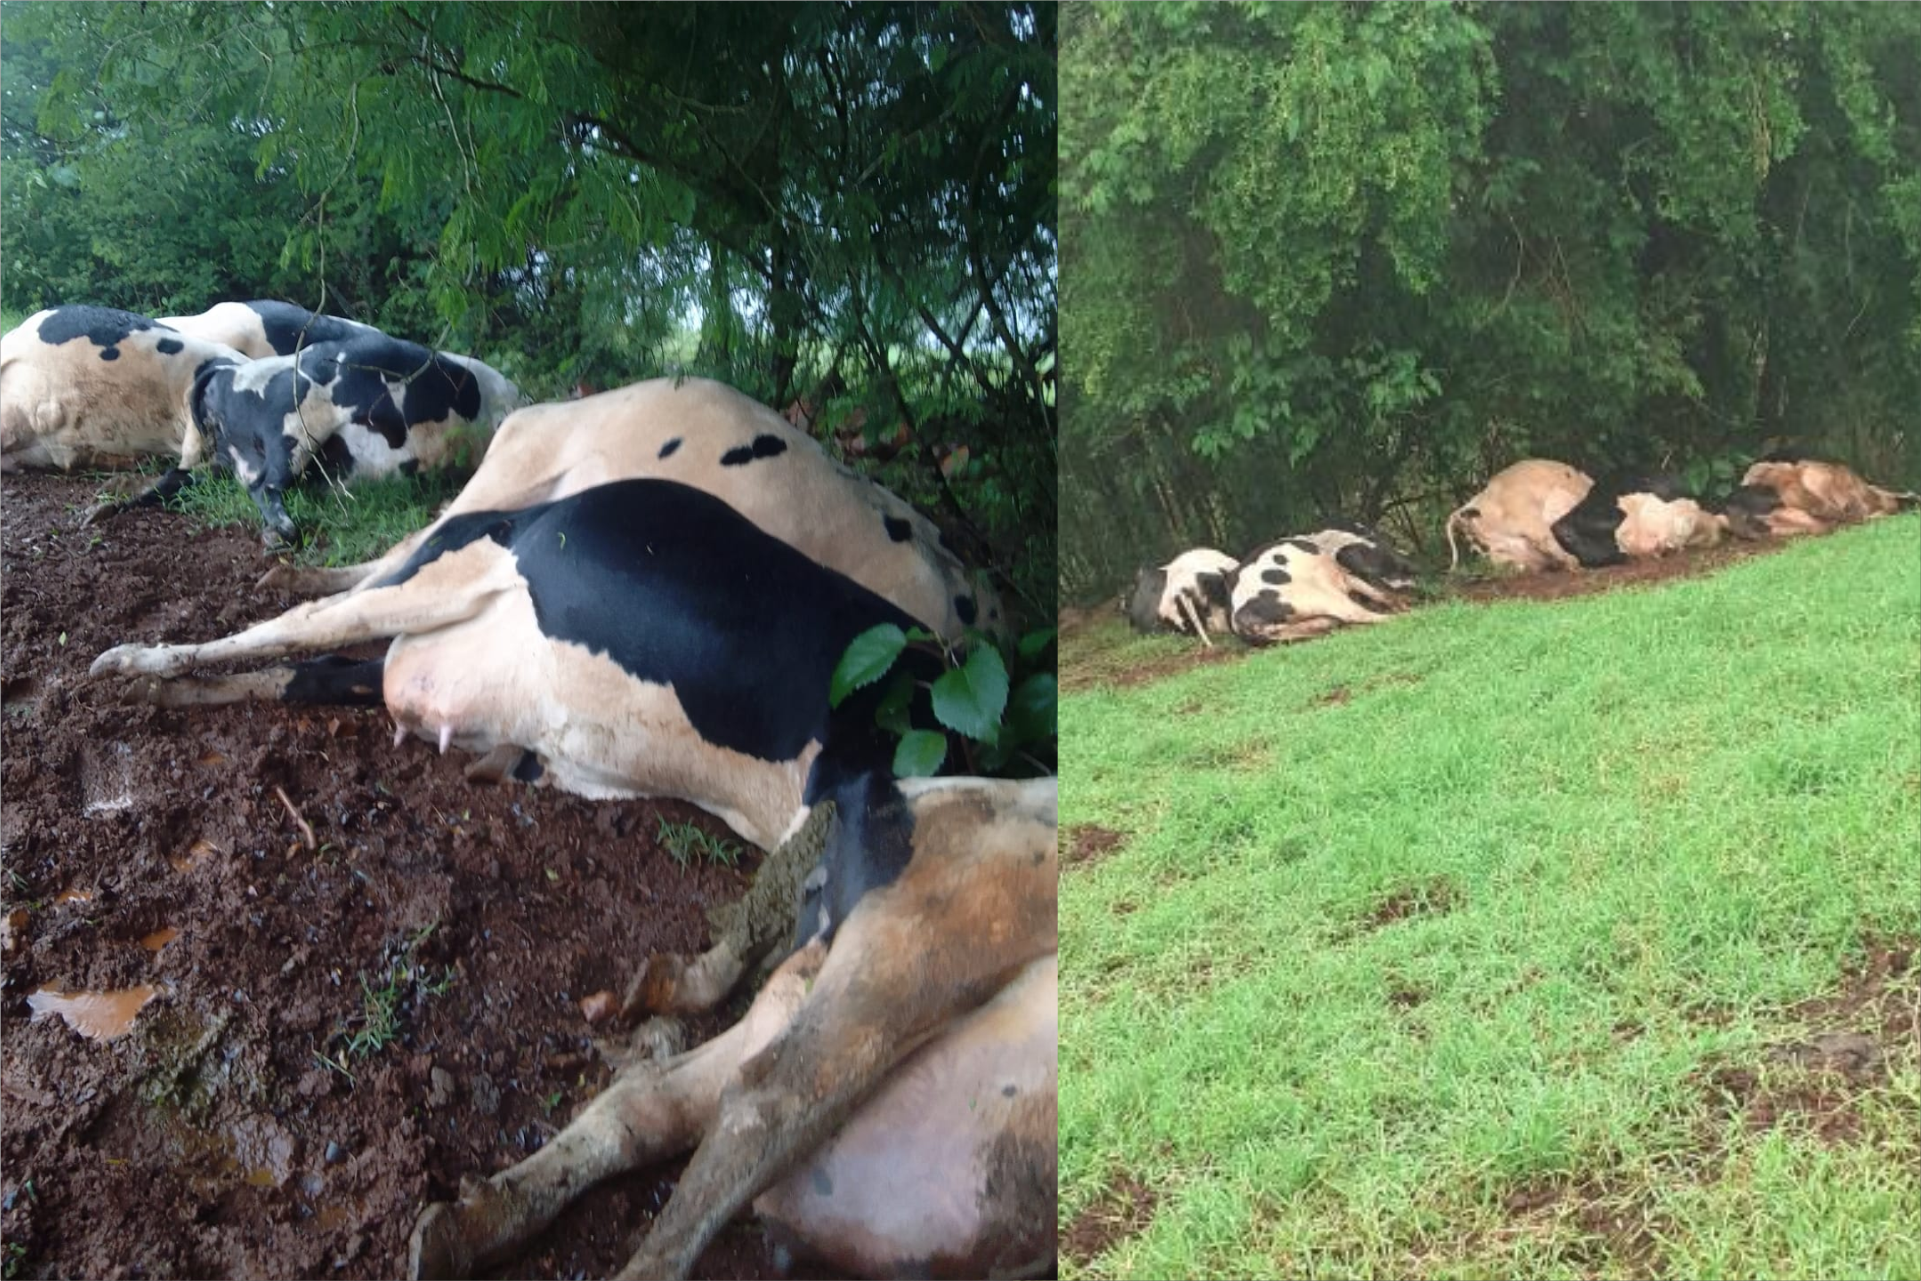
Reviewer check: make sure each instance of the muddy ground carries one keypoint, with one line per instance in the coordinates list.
(1082, 623)
(211, 1139)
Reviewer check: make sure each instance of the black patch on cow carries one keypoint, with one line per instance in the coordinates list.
(1265, 608)
(336, 456)
(1587, 531)
(110, 353)
(677, 588)
(1143, 606)
(1748, 509)
(336, 680)
(528, 769)
(1377, 564)
(964, 606)
(868, 846)
(409, 468)
(290, 328)
(1307, 545)
(766, 446)
(1276, 576)
(1366, 603)
(897, 529)
(101, 326)
(1214, 591)
(668, 448)
(169, 346)
(1009, 1091)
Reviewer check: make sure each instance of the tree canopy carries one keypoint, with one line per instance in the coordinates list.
(851, 203)
(1350, 259)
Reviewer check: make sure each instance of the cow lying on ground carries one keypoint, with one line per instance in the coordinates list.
(1511, 521)
(96, 387)
(266, 328)
(365, 407)
(887, 1103)
(708, 435)
(1630, 515)
(1300, 588)
(1188, 595)
(1786, 494)
(639, 639)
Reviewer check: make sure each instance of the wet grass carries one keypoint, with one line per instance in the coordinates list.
(686, 843)
(338, 526)
(1416, 949)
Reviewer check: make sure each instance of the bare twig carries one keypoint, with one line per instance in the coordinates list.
(306, 831)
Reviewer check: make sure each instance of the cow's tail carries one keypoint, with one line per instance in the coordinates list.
(1454, 518)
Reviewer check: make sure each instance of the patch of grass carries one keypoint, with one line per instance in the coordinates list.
(1666, 820)
(388, 1001)
(338, 526)
(685, 843)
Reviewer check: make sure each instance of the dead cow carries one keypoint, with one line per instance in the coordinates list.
(708, 435)
(1300, 588)
(1786, 494)
(1188, 594)
(1632, 515)
(639, 639)
(266, 328)
(1511, 521)
(96, 387)
(887, 1103)
(367, 406)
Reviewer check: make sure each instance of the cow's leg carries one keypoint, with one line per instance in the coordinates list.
(422, 603)
(171, 482)
(651, 1112)
(330, 681)
(1194, 619)
(907, 961)
(305, 581)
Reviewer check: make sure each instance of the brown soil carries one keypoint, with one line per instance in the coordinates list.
(1815, 1084)
(1615, 1225)
(1436, 897)
(209, 1140)
(1087, 843)
(1124, 1210)
(1588, 582)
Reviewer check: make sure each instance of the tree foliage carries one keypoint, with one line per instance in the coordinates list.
(1352, 258)
(852, 203)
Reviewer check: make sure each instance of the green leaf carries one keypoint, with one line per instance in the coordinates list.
(920, 753)
(1031, 708)
(969, 699)
(867, 659)
(1034, 644)
(891, 715)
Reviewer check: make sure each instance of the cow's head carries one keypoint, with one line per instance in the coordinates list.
(1748, 509)
(1142, 606)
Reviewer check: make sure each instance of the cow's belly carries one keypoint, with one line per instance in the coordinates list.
(949, 1169)
(598, 731)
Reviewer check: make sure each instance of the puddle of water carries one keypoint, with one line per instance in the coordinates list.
(101, 1016)
(196, 852)
(159, 938)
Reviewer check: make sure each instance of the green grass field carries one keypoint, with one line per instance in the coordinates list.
(1481, 943)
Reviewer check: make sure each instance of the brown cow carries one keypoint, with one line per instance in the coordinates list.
(1783, 495)
(1512, 520)
(887, 1103)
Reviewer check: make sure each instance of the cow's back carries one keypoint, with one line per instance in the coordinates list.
(707, 435)
(91, 386)
(266, 327)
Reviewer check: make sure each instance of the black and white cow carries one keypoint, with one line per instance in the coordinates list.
(96, 387)
(365, 407)
(638, 639)
(1304, 587)
(707, 435)
(1512, 519)
(1188, 595)
(264, 327)
(1630, 515)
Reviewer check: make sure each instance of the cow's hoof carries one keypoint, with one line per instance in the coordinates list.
(122, 660)
(450, 1237)
(656, 989)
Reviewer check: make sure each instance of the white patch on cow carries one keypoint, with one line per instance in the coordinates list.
(372, 455)
(247, 472)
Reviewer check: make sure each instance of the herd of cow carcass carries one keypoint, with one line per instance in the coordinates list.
(1536, 515)
(645, 592)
